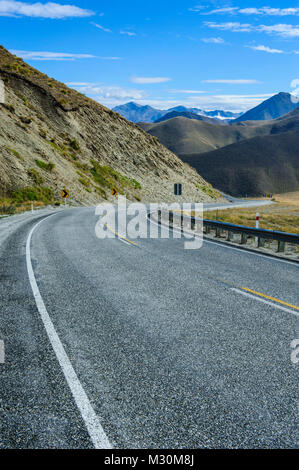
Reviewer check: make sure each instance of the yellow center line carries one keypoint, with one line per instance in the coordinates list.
(269, 298)
(120, 236)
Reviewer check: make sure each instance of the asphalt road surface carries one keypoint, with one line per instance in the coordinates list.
(143, 345)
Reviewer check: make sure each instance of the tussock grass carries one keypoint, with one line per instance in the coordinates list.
(9, 206)
(283, 216)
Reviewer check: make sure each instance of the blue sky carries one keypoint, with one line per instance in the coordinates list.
(210, 54)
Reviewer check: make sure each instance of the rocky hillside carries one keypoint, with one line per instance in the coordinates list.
(52, 137)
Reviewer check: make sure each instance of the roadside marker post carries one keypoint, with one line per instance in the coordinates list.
(257, 225)
(257, 220)
(32, 209)
(65, 194)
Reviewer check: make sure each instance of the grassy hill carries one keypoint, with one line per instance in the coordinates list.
(182, 135)
(252, 157)
(52, 137)
(189, 115)
(268, 164)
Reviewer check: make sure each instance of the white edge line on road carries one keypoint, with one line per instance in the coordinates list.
(239, 250)
(91, 420)
(248, 252)
(265, 302)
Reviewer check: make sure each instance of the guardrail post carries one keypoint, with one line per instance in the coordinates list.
(243, 238)
(208, 229)
(170, 218)
(230, 236)
(260, 242)
(280, 247)
(182, 221)
(218, 232)
(192, 224)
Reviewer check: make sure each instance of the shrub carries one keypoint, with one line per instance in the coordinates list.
(45, 166)
(15, 153)
(85, 182)
(74, 144)
(38, 193)
(7, 209)
(136, 184)
(36, 176)
(108, 177)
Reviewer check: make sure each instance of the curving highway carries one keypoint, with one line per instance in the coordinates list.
(143, 344)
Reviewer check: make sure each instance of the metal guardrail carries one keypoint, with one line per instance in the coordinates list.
(259, 233)
(252, 231)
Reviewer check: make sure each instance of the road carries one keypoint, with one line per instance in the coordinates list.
(165, 347)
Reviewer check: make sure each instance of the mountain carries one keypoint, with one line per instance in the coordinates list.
(259, 165)
(183, 109)
(188, 115)
(52, 137)
(137, 113)
(182, 135)
(273, 108)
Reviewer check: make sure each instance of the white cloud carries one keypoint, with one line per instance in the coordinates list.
(266, 49)
(284, 30)
(110, 58)
(236, 103)
(112, 94)
(213, 40)
(43, 55)
(266, 11)
(106, 30)
(129, 33)
(233, 81)
(295, 92)
(270, 11)
(41, 10)
(197, 8)
(149, 80)
(222, 10)
(188, 92)
(230, 26)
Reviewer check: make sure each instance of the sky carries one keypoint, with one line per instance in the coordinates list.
(228, 55)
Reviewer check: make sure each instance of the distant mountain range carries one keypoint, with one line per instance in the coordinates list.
(272, 108)
(136, 113)
(246, 157)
